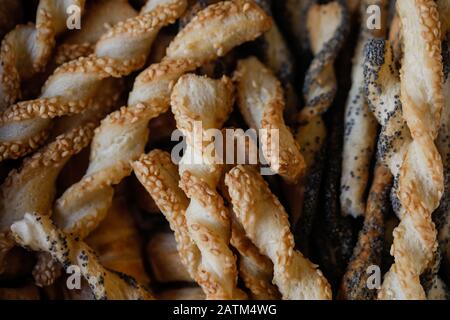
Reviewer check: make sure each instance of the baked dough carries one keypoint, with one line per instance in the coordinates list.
(122, 136)
(26, 50)
(261, 102)
(266, 224)
(73, 86)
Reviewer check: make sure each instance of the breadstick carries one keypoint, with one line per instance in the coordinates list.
(266, 224)
(160, 178)
(210, 101)
(123, 134)
(327, 26)
(260, 100)
(73, 86)
(276, 55)
(26, 50)
(39, 234)
(360, 124)
(368, 250)
(10, 15)
(255, 269)
(420, 182)
(32, 187)
(99, 17)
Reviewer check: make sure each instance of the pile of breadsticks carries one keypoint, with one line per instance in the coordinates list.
(353, 202)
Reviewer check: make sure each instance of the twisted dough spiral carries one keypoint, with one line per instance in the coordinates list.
(210, 101)
(327, 26)
(122, 135)
(420, 181)
(32, 187)
(73, 86)
(261, 102)
(160, 177)
(360, 124)
(266, 224)
(40, 234)
(26, 50)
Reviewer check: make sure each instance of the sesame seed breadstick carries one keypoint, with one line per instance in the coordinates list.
(73, 86)
(40, 234)
(327, 27)
(26, 50)
(122, 136)
(100, 16)
(266, 224)
(196, 98)
(421, 180)
(360, 124)
(32, 187)
(160, 177)
(261, 102)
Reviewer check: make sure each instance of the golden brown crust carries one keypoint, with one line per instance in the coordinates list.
(196, 98)
(327, 26)
(261, 102)
(266, 224)
(123, 134)
(255, 269)
(38, 233)
(421, 174)
(160, 177)
(368, 250)
(26, 50)
(73, 86)
(32, 187)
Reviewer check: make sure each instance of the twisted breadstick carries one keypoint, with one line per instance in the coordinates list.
(26, 50)
(209, 101)
(360, 124)
(73, 86)
(39, 234)
(266, 224)
(32, 187)
(368, 250)
(100, 16)
(261, 102)
(420, 182)
(327, 27)
(160, 178)
(123, 134)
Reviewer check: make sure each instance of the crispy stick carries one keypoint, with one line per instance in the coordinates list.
(368, 249)
(420, 174)
(73, 86)
(122, 135)
(38, 233)
(260, 100)
(266, 224)
(26, 50)
(209, 101)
